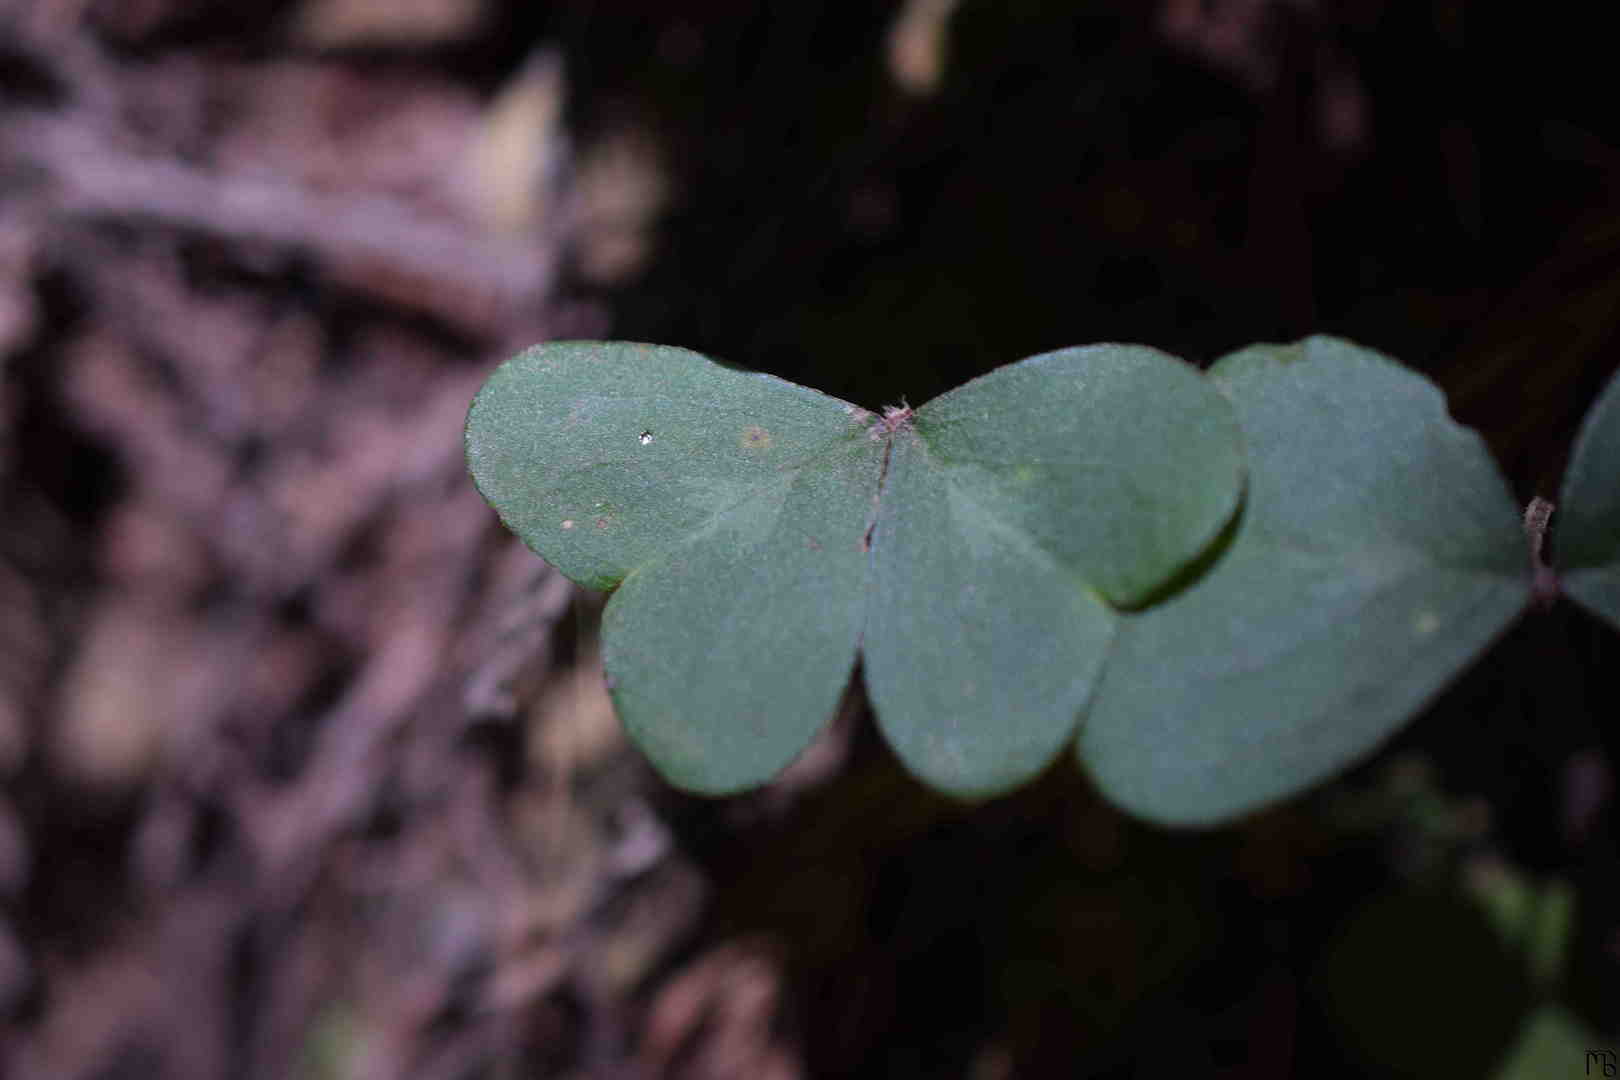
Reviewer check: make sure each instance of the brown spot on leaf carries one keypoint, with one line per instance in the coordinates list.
(755, 437)
(601, 523)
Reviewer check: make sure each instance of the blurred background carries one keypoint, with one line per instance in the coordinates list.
(306, 769)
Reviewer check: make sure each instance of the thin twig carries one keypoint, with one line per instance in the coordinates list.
(92, 176)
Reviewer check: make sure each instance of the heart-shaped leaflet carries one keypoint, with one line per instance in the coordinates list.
(1588, 533)
(1378, 553)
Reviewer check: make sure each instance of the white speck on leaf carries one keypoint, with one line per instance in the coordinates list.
(568, 523)
(645, 438)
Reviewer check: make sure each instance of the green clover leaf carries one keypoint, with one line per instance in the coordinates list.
(757, 534)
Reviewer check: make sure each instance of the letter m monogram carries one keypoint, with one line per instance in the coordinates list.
(1604, 1060)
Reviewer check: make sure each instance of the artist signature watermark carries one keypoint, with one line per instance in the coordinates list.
(1602, 1063)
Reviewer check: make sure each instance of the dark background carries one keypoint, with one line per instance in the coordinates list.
(307, 768)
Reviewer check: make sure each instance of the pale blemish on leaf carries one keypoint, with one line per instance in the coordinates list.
(1425, 623)
(755, 437)
(644, 438)
(944, 750)
(568, 523)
